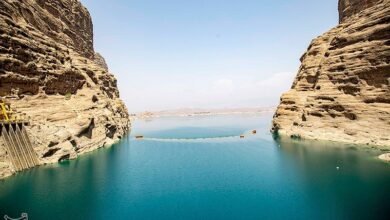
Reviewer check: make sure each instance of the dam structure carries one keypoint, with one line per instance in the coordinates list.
(14, 135)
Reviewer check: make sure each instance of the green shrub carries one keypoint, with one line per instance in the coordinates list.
(68, 95)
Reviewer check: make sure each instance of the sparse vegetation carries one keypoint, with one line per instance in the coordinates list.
(68, 95)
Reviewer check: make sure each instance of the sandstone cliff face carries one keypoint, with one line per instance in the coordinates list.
(99, 60)
(48, 71)
(342, 89)
(65, 21)
(347, 8)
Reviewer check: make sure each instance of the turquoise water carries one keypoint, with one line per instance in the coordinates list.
(198, 168)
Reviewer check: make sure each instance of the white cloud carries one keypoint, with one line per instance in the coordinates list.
(280, 80)
(206, 92)
(245, 91)
(223, 84)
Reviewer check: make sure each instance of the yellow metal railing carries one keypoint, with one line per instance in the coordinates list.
(7, 115)
(4, 112)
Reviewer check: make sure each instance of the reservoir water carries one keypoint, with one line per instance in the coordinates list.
(199, 168)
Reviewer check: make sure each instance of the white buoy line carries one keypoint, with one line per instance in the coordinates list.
(197, 139)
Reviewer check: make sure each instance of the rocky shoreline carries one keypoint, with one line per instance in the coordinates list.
(50, 71)
(385, 157)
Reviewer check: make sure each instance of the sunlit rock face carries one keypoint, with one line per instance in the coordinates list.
(49, 71)
(342, 89)
(347, 8)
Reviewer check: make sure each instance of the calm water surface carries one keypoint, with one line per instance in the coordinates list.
(197, 168)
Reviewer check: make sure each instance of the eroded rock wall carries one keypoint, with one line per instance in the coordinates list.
(342, 89)
(65, 21)
(348, 8)
(99, 60)
(48, 71)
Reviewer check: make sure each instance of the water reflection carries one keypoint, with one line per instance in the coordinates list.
(345, 181)
(228, 178)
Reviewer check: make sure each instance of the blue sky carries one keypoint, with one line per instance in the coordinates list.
(206, 53)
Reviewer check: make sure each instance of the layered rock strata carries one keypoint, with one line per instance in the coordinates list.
(49, 70)
(342, 89)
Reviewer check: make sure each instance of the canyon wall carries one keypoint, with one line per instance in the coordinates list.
(49, 70)
(342, 89)
(348, 8)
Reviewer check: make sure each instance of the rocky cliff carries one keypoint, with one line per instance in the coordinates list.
(49, 70)
(342, 89)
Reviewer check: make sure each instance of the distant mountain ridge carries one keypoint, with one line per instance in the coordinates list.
(203, 111)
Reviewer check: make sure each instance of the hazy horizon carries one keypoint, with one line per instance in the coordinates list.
(206, 54)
